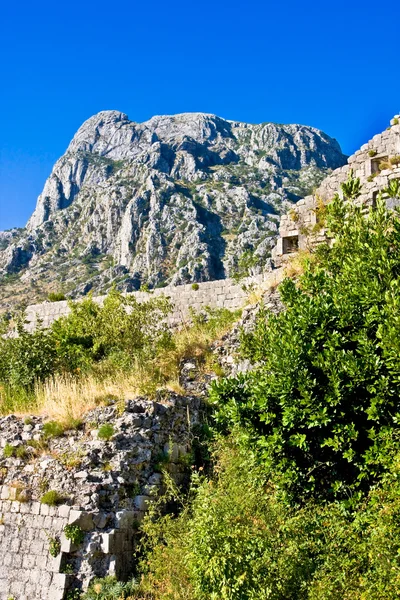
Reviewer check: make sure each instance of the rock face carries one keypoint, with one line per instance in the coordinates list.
(173, 200)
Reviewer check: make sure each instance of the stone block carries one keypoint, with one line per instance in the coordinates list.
(5, 492)
(58, 587)
(67, 546)
(81, 518)
(125, 518)
(54, 563)
(108, 542)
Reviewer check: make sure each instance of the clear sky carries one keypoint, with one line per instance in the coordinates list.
(333, 65)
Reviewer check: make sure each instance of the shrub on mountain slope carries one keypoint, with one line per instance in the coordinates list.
(328, 387)
(122, 330)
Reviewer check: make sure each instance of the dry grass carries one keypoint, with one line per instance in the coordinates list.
(66, 399)
(257, 293)
(295, 266)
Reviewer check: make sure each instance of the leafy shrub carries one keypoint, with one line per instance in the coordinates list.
(54, 547)
(195, 286)
(56, 296)
(327, 389)
(235, 539)
(27, 358)
(74, 533)
(92, 332)
(106, 431)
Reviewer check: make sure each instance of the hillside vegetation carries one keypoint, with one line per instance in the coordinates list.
(302, 496)
(101, 353)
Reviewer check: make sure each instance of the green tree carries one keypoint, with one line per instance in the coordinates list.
(328, 384)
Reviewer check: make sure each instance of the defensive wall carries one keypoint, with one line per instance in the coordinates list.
(102, 487)
(223, 293)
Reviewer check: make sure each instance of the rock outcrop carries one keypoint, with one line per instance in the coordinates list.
(175, 199)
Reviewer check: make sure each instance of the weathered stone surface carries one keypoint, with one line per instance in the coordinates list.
(301, 222)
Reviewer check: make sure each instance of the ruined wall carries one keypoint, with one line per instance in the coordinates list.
(223, 293)
(28, 571)
(104, 486)
(299, 228)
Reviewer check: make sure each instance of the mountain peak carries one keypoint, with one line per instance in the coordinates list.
(174, 199)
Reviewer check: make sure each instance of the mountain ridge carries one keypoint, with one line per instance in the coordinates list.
(175, 199)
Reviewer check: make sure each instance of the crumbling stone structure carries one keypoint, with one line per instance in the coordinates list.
(376, 164)
(223, 293)
(102, 486)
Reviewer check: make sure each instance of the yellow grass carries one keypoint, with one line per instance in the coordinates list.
(272, 283)
(66, 399)
(296, 263)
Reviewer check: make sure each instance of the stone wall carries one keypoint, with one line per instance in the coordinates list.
(223, 293)
(299, 228)
(105, 487)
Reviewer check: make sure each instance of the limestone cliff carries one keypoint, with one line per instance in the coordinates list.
(172, 200)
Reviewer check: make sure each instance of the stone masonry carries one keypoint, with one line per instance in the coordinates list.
(104, 487)
(223, 293)
(376, 163)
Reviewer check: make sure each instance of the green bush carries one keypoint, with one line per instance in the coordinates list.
(326, 392)
(92, 332)
(74, 533)
(56, 296)
(195, 286)
(235, 539)
(27, 358)
(54, 547)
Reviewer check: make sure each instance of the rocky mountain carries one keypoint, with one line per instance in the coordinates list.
(180, 198)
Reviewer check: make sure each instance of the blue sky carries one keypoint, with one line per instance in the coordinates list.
(333, 65)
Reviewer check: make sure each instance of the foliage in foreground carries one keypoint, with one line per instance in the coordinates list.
(235, 539)
(324, 400)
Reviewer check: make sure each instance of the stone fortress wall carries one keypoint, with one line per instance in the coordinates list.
(299, 228)
(223, 293)
(105, 495)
